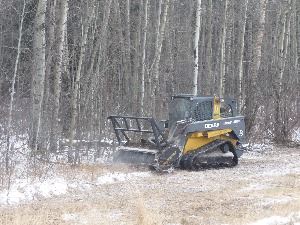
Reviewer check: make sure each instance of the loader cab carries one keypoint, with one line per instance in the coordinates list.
(189, 107)
(228, 108)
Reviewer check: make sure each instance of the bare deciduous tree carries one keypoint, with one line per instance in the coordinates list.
(12, 91)
(196, 46)
(38, 72)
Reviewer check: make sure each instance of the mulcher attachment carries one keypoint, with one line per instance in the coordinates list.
(144, 125)
(143, 151)
(134, 156)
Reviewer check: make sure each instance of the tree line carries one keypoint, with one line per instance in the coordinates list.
(65, 65)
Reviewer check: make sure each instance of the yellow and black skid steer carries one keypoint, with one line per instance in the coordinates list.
(200, 133)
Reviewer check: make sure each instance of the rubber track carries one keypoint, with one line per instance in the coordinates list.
(194, 159)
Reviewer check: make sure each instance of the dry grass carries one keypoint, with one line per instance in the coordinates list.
(187, 198)
(212, 207)
(146, 216)
(29, 216)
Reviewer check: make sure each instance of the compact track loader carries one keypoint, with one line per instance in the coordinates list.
(200, 133)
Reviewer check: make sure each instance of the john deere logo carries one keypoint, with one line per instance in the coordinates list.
(212, 125)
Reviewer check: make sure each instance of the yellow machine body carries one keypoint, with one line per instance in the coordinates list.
(198, 139)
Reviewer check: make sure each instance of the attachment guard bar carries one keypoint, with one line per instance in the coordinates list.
(124, 124)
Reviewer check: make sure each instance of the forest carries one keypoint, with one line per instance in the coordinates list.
(66, 65)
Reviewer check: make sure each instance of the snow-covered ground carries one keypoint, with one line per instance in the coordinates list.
(264, 189)
(26, 190)
(279, 220)
(296, 135)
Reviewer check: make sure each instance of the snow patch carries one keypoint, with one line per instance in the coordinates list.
(281, 172)
(254, 151)
(255, 187)
(70, 217)
(73, 217)
(276, 201)
(87, 217)
(120, 177)
(273, 220)
(53, 187)
(80, 185)
(296, 135)
(107, 140)
(11, 197)
(26, 190)
(293, 218)
(258, 147)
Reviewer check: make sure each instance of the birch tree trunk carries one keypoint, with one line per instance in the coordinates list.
(12, 93)
(258, 42)
(124, 75)
(251, 97)
(128, 64)
(296, 7)
(158, 46)
(295, 37)
(222, 57)
(241, 58)
(284, 39)
(229, 72)
(297, 4)
(75, 93)
(97, 51)
(136, 55)
(58, 68)
(144, 41)
(50, 51)
(196, 47)
(170, 79)
(97, 55)
(39, 66)
(102, 38)
(210, 77)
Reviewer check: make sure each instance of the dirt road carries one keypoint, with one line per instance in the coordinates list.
(263, 189)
